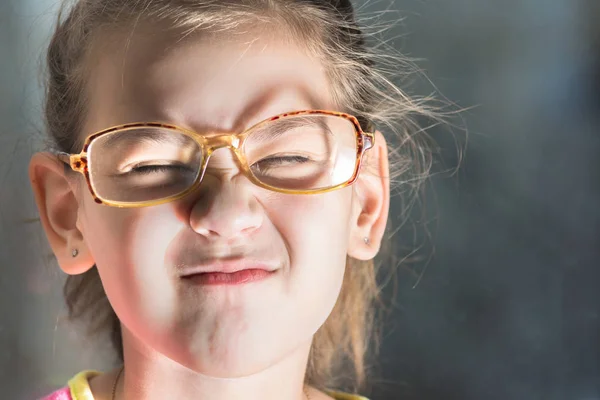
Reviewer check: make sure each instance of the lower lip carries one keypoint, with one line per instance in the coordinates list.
(234, 278)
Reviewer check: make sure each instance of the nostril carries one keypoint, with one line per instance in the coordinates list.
(226, 208)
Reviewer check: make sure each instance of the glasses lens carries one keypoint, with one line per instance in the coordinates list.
(143, 164)
(307, 152)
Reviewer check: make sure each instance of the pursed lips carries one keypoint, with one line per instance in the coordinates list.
(226, 266)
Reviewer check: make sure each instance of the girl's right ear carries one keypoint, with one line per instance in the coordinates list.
(55, 196)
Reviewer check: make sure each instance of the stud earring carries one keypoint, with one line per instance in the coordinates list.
(366, 240)
(75, 252)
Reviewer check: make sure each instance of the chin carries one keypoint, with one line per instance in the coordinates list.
(228, 364)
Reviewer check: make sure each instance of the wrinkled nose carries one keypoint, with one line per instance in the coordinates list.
(226, 208)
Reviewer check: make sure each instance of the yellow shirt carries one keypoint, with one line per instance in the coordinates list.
(80, 388)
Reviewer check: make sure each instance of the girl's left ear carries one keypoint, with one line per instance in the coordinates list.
(371, 202)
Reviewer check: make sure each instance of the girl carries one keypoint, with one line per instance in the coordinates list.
(216, 193)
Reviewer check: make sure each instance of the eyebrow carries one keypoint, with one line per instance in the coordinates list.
(150, 135)
(277, 128)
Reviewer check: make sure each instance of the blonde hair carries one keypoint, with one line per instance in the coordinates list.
(362, 82)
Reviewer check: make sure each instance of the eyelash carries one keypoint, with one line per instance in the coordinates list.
(149, 169)
(281, 160)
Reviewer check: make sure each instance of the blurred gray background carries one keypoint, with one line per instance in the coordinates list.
(508, 306)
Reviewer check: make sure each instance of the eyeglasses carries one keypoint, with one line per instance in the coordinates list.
(146, 164)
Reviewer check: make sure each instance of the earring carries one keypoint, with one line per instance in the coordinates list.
(366, 240)
(75, 252)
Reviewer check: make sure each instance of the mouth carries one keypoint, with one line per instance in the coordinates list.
(232, 278)
(232, 272)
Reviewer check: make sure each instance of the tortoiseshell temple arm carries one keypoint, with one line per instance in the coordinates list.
(369, 140)
(74, 161)
(64, 157)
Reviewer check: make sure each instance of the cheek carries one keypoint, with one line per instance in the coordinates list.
(315, 229)
(322, 250)
(123, 235)
(129, 247)
(315, 226)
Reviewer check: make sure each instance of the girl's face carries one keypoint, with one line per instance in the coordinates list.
(211, 84)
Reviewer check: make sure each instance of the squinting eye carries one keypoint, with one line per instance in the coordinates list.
(284, 161)
(149, 169)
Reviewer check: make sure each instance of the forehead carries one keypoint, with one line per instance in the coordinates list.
(205, 82)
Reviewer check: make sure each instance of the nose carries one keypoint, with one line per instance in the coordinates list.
(225, 208)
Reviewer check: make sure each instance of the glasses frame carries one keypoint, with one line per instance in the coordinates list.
(234, 141)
